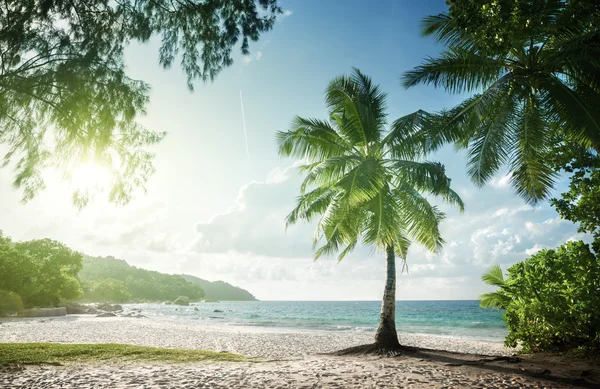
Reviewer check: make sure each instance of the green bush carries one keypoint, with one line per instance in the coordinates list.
(552, 300)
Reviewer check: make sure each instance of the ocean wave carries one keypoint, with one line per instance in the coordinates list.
(343, 328)
(365, 329)
(482, 324)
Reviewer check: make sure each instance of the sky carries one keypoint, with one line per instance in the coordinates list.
(216, 206)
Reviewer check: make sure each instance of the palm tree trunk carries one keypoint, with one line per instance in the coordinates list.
(386, 336)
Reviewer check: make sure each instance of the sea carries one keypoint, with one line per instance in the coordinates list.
(457, 319)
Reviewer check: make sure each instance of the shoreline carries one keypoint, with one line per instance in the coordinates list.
(280, 359)
(261, 342)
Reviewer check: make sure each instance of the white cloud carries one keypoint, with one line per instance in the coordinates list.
(535, 249)
(252, 57)
(286, 13)
(247, 243)
(254, 229)
(502, 181)
(255, 224)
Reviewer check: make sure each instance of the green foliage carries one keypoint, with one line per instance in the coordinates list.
(34, 353)
(551, 300)
(110, 279)
(17, 274)
(110, 290)
(40, 272)
(496, 299)
(65, 97)
(497, 26)
(10, 303)
(364, 182)
(534, 67)
(581, 204)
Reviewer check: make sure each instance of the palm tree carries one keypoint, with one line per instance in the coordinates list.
(363, 186)
(544, 81)
(498, 299)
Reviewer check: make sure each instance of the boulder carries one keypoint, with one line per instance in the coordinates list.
(218, 310)
(109, 307)
(182, 300)
(44, 312)
(79, 309)
(196, 309)
(106, 314)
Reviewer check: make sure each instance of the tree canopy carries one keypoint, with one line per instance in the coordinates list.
(534, 69)
(115, 280)
(40, 272)
(581, 204)
(65, 97)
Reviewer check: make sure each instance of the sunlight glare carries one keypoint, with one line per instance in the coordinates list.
(89, 176)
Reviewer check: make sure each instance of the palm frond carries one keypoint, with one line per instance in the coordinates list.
(493, 300)
(341, 99)
(363, 182)
(532, 178)
(444, 30)
(489, 146)
(329, 171)
(494, 276)
(577, 110)
(313, 139)
(371, 105)
(415, 135)
(457, 71)
(420, 218)
(311, 204)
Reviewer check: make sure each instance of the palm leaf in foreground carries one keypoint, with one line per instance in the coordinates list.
(544, 81)
(497, 299)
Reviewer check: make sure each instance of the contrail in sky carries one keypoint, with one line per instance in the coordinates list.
(244, 122)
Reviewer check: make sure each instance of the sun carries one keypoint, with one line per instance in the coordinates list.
(90, 176)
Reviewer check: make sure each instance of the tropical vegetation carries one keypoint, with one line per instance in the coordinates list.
(534, 69)
(581, 204)
(65, 96)
(220, 290)
(37, 273)
(550, 300)
(112, 279)
(365, 184)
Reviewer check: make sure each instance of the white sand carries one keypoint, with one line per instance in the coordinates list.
(287, 359)
(313, 372)
(249, 341)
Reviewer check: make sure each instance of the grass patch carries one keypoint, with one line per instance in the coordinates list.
(34, 353)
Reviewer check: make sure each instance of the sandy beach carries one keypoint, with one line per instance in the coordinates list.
(283, 359)
(270, 343)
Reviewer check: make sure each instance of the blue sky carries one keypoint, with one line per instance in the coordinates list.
(214, 212)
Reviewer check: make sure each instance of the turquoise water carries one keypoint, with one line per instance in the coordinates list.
(464, 318)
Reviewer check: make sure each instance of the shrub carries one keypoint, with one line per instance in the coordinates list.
(552, 300)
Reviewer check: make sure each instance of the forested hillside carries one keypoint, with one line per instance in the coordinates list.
(220, 290)
(115, 280)
(111, 279)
